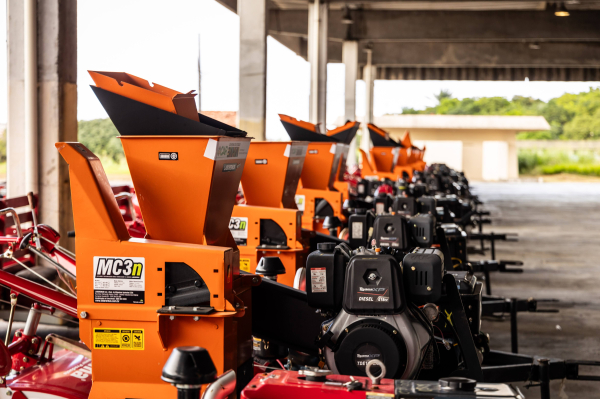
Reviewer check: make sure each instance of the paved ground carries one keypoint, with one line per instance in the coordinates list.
(559, 235)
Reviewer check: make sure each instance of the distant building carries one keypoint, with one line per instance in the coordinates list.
(482, 146)
(228, 117)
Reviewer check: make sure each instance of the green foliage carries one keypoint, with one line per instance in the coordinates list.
(443, 94)
(541, 135)
(583, 127)
(409, 111)
(552, 161)
(100, 136)
(3, 147)
(571, 116)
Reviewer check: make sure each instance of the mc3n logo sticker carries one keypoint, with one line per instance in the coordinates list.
(119, 267)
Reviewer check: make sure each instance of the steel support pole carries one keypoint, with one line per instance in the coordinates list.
(253, 67)
(369, 72)
(318, 12)
(350, 60)
(514, 334)
(544, 378)
(31, 95)
(488, 282)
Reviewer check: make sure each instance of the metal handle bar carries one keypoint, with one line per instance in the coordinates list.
(129, 198)
(15, 216)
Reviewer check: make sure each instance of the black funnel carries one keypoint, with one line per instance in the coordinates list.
(270, 266)
(189, 365)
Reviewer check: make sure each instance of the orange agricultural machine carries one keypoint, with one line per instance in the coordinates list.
(322, 191)
(270, 224)
(138, 298)
(390, 159)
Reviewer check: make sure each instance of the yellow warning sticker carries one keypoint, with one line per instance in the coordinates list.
(118, 338)
(245, 264)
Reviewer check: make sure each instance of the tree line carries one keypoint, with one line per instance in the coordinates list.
(571, 116)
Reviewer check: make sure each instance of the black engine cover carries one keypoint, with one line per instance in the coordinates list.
(373, 285)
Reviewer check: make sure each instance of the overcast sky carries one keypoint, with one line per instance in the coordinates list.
(158, 40)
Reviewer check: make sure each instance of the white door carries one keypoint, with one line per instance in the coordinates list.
(495, 160)
(449, 152)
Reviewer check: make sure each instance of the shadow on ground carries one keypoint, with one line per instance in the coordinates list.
(559, 235)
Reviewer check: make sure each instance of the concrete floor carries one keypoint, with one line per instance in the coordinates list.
(559, 235)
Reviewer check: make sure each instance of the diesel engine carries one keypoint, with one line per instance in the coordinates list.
(400, 313)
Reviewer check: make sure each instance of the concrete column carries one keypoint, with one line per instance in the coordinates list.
(199, 78)
(15, 129)
(317, 56)
(56, 106)
(350, 60)
(253, 67)
(513, 156)
(472, 162)
(369, 72)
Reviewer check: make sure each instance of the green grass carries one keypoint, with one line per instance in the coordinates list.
(578, 169)
(112, 168)
(554, 161)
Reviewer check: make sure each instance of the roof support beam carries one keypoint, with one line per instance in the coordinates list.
(524, 55)
(447, 26)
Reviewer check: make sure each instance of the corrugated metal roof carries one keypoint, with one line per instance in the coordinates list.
(474, 122)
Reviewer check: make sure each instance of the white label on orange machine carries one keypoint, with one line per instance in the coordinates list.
(239, 230)
(119, 279)
(300, 202)
(226, 149)
(318, 279)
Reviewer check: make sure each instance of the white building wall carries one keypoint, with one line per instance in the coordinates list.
(449, 152)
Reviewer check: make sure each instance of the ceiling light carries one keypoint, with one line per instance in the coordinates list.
(347, 17)
(561, 10)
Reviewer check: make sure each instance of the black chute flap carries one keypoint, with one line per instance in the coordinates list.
(298, 133)
(380, 141)
(134, 118)
(346, 136)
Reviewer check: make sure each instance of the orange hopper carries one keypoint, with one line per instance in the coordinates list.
(269, 224)
(140, 298)
(321, 192)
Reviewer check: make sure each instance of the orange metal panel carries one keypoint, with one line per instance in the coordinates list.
(95, 210)
(139, 89)
(383, 158)
(406, 141)
(272, 172)
(320, 166)
(189, 198)
(127, 373)
(335, 200)
(365, 164)
(290, 221)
